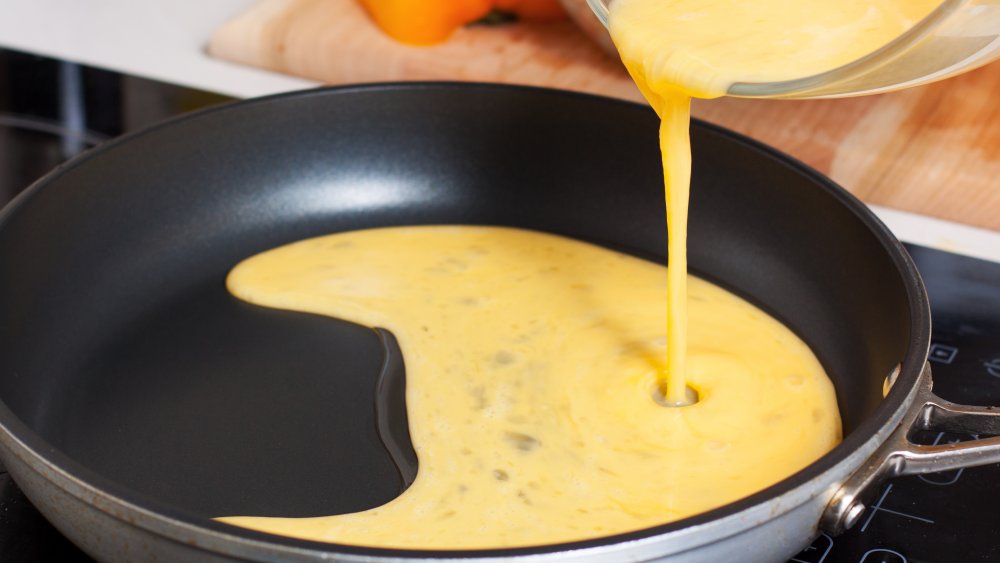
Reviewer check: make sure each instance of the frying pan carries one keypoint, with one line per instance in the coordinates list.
(139, 399)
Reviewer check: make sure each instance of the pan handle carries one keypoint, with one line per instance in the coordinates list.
(899, 456)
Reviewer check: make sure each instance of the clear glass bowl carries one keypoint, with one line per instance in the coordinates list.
(959, 35)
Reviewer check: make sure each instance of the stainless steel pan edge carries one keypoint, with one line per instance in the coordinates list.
(121, 531)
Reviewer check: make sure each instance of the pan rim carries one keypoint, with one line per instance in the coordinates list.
(17, 432)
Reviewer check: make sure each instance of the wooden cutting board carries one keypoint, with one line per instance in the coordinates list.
(933, 150)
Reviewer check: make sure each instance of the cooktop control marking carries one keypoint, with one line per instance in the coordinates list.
(879, 508)
(942, 353)
(993, 367)
(821, 545)
(882, 555)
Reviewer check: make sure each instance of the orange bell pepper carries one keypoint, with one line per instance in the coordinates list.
(425, 22)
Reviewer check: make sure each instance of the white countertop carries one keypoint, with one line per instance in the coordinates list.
(165, 40)
(162, 40)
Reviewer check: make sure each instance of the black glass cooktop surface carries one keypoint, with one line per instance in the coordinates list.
(52, 110)
(950, 516)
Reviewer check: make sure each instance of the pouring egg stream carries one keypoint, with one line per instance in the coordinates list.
(532, 360)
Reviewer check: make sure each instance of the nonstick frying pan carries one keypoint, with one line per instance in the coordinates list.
(139, 399)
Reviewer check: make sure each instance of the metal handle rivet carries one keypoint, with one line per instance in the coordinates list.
(853, 514)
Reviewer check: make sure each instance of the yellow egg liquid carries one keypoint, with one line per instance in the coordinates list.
(531, 363)
(679, 49)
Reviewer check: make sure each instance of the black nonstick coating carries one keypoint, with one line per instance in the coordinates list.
(121, 350)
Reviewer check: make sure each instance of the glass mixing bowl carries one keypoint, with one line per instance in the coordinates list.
(959, 35)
